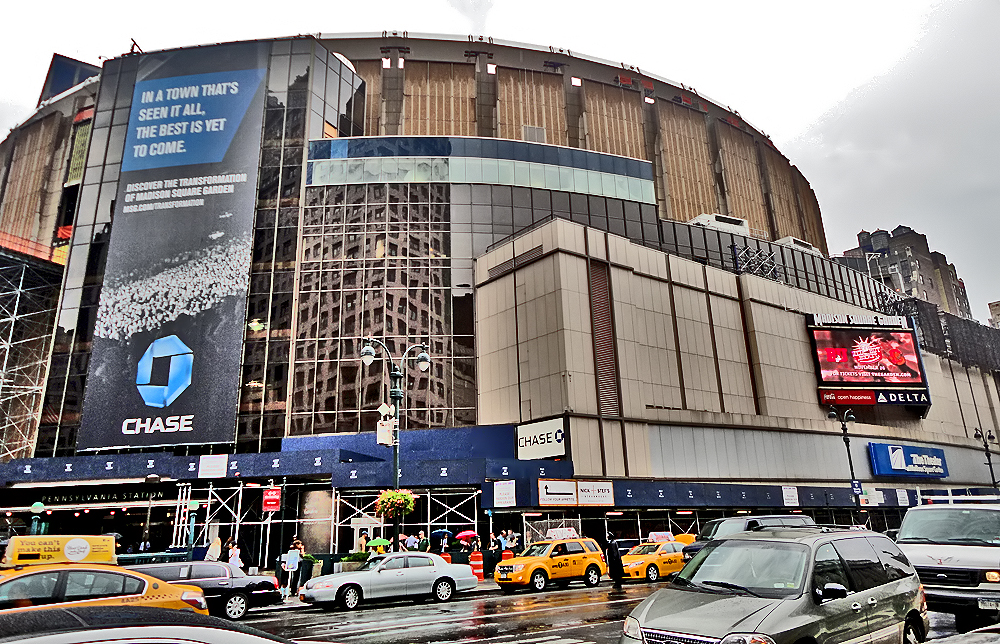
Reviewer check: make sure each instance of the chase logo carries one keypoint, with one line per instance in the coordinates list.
(181, 361)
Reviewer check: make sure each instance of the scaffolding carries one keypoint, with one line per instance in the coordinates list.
(29, 291)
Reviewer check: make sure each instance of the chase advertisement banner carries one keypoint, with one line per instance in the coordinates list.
(169, 334)
(907, 461)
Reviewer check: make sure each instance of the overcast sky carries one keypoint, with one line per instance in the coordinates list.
(885, 105)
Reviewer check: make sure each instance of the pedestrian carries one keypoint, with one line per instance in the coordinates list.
(234, 553)
(513, 541)
(423, 543)
(214, 550)
(144, 545)
(477, 544)
(291, 564)
(363, 541)
(492, 557)
(401, 543)
(502, 538)
(412, 542)
(444, 542)
(615, 569)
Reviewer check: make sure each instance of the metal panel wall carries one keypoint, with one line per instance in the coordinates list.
(815, 234)
(371, 72)
(531, 98)
(742, 176)
(440, 99)
(614, 120)
(687, 161)
(787, 216)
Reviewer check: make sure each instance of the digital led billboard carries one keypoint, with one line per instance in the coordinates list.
(169, 334)
(867, 357)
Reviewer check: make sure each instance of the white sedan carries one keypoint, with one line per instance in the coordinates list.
(401, 574)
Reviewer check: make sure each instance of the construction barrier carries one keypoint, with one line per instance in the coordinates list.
(507, 554)
(476, 561)
(446, 557)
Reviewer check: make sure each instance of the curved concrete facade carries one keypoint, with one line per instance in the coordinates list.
(706, 158)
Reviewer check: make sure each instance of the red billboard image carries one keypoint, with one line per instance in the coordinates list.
(867, 356)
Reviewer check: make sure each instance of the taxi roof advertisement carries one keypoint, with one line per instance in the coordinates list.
(865, 352)
(61, 549)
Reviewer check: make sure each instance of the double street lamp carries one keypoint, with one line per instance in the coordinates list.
(847, 416)
(988, 438)
(396, 397)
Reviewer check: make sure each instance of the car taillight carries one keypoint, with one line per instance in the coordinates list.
(195, 598)
(603, 560)
(274, 580)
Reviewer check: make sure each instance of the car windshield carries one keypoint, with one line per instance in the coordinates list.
(951, 525)
(371, 563)
(721, 528)
(767, 568)
(644, 549)
(536, 549)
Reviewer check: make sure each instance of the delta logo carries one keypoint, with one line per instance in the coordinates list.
(180, 367)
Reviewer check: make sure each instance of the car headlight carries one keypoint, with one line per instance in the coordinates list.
(633, 564)
(631, 628)
(992, 576)
(518, 567)
(320, 585)
(746, 638)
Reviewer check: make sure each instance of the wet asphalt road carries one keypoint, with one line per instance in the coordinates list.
(573, 616)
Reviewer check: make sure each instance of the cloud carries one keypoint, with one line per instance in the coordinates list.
(474, 10)
(920, 146)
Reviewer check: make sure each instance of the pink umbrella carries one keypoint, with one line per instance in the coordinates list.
(468, 534)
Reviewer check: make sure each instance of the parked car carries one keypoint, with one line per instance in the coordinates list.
(229, 591)
(624, 545)
(730, 525)
(787, 586)
(653, 560)
(125, 625)
(956, 551)
(409, 574)
(558, 560)
(38, 572)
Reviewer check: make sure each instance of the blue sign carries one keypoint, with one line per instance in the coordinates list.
(907, 460)
(184, 120)
(181, 361)
(856, 487)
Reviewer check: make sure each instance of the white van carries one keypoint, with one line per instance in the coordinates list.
(956, 551)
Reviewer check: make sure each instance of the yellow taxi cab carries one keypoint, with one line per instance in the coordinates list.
(44, 571)
(557, 560)
(653, 560)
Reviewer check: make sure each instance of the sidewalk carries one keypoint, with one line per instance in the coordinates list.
(485, 587)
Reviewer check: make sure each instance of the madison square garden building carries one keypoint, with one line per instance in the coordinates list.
(623, 287)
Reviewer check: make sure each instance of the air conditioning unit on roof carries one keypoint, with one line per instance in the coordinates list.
(802, 245)
(725, 223)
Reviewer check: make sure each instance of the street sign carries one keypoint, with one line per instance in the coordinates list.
(856, 487)
(383, 431)
(386, 409)
(272, 499)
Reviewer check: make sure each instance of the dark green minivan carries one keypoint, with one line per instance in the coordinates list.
(787, 586)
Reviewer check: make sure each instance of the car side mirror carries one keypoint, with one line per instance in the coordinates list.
(670, 576)
(833, 591)
(892, 533)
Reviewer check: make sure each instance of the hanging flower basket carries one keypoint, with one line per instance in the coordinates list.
(392, 504)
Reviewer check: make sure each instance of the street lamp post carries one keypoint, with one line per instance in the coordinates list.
(987, 438)
(847, 416)
(396, 397)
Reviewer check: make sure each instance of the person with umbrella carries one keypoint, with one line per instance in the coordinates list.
(443, 535)
(378, 545)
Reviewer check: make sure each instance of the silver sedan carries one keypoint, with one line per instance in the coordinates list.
(402, 574)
